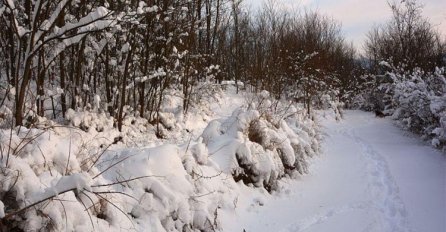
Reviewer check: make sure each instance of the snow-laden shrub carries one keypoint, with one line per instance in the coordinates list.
(66, 179)
(417, 100)
(420, 104)
(5, 117)
(7, 93)
(44, 169)
(412, 104)
(69, 180)
(437, 83)
(86, 120)
(330, 101)
(135, 129)
(260, 147)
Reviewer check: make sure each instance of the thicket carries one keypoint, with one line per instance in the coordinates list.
(122, 57)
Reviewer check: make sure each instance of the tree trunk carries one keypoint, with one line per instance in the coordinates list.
(124, 84)
(63, 101)
(108, 86)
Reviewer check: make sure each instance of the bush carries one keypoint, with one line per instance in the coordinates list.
(417, 100)
(259, 146)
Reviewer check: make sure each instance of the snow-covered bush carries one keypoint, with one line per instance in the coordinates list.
(260, 146)
(420, 104)
(87, 120)
(37, 166)
(329, 101)
(6, 104)
(411, 100)
(5, 117)
(417, 100)
(65, 179)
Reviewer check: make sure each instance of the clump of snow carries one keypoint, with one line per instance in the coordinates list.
(5, 115)
(77, 181)
(200, 152)
(385, 64)
(97, 102)
(264, 94)
(87, 120)
(2, 209)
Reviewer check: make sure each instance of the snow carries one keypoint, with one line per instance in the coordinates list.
(371, 177)
(10, 4)
(48, 23)
(77, 181)
(148, 184)
(97, 102)
(2, 9)
(385, 64)
(2, 209)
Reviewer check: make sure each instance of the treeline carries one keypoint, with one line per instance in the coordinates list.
(122, 57)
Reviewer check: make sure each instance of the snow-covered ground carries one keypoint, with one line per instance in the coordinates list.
(372, 176)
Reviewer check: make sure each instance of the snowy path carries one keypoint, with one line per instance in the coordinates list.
(371, 177)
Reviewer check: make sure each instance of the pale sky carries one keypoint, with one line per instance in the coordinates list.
(359, 16)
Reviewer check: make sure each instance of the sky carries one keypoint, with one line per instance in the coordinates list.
(359, 16)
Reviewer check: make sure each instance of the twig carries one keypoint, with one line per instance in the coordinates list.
(28, 142)
(44, 158)
(203, 195)
(34, 204)
(69, 154)
(112, 166)
(115, 207)
(206, 177)
(99, 156)
(89, 215)
(9, 148)
(65, 213)
(187, 148)
(124, 181)
(116, 192)
(213, 153)
(92, 203)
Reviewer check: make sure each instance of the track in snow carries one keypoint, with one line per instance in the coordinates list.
(371, 177)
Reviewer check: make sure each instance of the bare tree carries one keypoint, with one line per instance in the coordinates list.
(32, 34)
(407, 40)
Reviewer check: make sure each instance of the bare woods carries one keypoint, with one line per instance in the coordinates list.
(123, 57)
